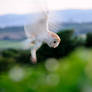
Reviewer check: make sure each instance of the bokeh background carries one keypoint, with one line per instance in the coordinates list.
(67, 68)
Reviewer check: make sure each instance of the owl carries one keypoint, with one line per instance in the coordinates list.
(38, 32)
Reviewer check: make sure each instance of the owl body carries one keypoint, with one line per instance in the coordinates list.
(38, 33)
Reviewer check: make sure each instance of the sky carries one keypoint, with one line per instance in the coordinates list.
(27, 6)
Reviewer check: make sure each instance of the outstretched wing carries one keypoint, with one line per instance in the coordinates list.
(54, 24)
(38, 26)
(42, 20)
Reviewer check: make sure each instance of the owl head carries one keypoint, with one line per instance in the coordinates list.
(53, 40)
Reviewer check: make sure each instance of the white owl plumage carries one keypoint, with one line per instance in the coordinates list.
(38, 32)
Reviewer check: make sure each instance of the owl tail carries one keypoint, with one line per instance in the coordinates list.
(26, 44)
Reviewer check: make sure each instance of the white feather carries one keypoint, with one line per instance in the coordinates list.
(38, 31)
(26, 44)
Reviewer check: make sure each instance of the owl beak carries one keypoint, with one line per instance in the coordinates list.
(55, 46)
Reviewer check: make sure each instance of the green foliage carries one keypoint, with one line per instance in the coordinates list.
(72, 73)
(89, 40)
(69, 74)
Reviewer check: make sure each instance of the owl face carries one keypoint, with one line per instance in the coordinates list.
(54, 43)
(54, 40)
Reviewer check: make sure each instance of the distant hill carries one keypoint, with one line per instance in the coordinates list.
(12, 33)
(67, 16)
(17, 33)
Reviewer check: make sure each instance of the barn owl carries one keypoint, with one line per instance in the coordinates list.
(38, 33)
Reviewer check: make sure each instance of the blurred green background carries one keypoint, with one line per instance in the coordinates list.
(67, 68)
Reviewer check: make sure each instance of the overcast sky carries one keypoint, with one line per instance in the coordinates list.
(27, 6)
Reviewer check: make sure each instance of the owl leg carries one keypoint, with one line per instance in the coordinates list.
(33, 56)
(34, 50)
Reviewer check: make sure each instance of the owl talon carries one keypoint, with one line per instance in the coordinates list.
(34, 61)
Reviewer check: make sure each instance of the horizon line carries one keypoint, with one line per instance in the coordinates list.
(36, 12)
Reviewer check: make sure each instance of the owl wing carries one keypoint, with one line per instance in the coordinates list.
(41, 21)
(37, 26)
(54, 21)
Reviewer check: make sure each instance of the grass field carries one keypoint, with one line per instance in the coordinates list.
(10, 44)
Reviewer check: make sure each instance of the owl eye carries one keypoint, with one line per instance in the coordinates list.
(54, 42)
